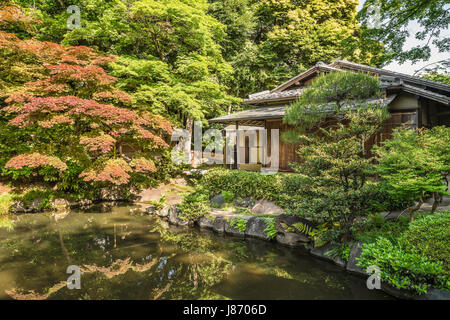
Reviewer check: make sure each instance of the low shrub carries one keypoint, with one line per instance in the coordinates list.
(228, 196)
(239, 223)
(369, 232)
(430, 236)
(242, 183)
(402, 269)
(5, 203)
(271, 229)
(194, 205)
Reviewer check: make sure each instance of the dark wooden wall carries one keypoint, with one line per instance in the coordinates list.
(288, 152)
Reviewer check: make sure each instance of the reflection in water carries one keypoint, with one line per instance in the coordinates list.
(124, 255)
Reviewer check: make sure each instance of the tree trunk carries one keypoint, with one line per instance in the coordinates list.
(437, 201)
(412, 210)
(187, 145)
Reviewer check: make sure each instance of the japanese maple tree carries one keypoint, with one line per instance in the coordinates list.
(81, 126)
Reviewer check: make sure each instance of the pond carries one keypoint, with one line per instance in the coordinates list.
(124, 254)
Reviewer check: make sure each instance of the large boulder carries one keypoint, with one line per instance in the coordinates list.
(355, 253)
(205, 223)
(164, 212)
(218, 200)
(255, 228)
(266, 207)
(245, 203)
(174, 219)
(292, 239)
(219, 225)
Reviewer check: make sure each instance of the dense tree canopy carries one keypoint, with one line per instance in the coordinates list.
(68, 120)
(389, 20)
(170, 58)
(231, 47)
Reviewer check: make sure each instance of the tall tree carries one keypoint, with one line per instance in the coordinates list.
(333, 121)
(170, 57)
(390, 19)
(72, 121)
(292, 35)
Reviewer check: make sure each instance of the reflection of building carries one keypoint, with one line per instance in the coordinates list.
(410, 100)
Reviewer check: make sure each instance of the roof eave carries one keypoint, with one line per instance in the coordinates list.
(259, 101)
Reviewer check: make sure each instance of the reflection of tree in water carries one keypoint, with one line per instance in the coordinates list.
(108, 270)
(147, 259)
(201, 267)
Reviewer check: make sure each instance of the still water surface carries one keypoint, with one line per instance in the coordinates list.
(126, 255)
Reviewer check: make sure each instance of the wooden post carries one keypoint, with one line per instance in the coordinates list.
(236, 156)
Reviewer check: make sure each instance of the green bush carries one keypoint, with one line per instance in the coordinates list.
(239, 224)
(271, 229)
(194, 206)
(430, 236)
(370, 231)
(32, 194)
(242, 183)
(402, 269)
(228, 196)
(5, 203)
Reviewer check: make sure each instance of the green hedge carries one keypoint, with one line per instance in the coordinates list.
(403, 269)
(416, 259)
(430, 236)
(242, 183)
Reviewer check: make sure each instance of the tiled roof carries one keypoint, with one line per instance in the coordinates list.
(264, 113)
(262, 96)
(283, 94)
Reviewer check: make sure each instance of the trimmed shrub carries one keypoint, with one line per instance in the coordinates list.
(430, 236)
(242, 183)
(194, 206)
(402, 269)
(228, 196)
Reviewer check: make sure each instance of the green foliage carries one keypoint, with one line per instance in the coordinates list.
(239, 224)
(170, 57)
(291, 36)
(304, 228)
(6, 223)
(228, 196)
(393, 18)
(5, 202)
(430, 236)
(370, 231)
(45, 196)
(332, 123)
(271, 229)
(242, 183)
(331, 92)
(414, 163)
(438, 77)
(403, 269)
(194, 206)
(341, 250)
(159, 204)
